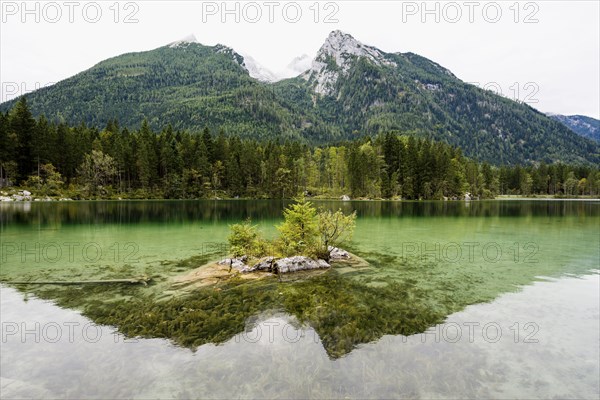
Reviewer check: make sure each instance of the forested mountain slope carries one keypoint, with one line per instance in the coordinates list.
(351, 90)
(584, 126)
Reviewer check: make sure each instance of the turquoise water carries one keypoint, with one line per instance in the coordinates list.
(515, 284)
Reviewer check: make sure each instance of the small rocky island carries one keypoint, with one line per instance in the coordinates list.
(308, 241)
(285, 265)
(248, 269)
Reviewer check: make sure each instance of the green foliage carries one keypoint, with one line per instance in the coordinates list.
(335, 228)
(48, 182)
(97, 171)
(245, 239)
(177, 164)
(22, 124)
(299, 231)
(303, 232)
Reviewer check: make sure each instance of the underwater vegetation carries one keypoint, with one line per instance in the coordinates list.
(344, 305)
(343, 312)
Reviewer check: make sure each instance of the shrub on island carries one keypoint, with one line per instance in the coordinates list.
(307, 240)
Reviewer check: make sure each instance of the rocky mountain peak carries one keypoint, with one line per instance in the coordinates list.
(335, 58)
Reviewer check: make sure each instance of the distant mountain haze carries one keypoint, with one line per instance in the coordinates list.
(585, 126)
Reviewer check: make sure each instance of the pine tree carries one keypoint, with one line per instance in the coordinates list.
(23, 125)
(146, 156)
(209, 145)
(8, 153)
(299, 232)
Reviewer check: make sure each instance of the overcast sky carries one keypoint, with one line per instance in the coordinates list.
(546, 53)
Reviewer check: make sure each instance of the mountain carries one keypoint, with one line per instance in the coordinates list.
(336, 58)
(183, 83)
(349, 89)
(296, 67)
(190, 39)
(258, 71)
(359, 88)
(587, 127)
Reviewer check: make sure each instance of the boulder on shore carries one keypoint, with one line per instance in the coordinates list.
(338, 254)
(236, 263)
(298, 263)
(345, 198)
(264, 264)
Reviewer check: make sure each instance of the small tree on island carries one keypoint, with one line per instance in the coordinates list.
(335, 228)
(304, 232)
(299, 231)
(246, 240)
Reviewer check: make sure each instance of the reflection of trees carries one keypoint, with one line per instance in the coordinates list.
(343, 312)
(135, 212)
(517, 208)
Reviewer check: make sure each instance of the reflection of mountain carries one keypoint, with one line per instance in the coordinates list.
(272, 359)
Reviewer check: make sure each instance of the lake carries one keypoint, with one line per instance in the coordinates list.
(493, 299)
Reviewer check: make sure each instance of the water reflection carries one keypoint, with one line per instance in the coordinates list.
(274, 358)
(133, 212)
(396, 294)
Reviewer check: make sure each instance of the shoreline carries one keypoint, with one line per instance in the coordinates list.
(321, 199)
(547, 198)
(21, 195)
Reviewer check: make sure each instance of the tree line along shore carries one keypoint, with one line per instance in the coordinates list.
(52, 160)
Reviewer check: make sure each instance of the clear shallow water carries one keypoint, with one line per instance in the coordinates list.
(561, 235)
(482, 262)
(275, 360)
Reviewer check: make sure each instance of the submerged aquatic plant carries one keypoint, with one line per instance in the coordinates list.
(343, 311)
(346, 306)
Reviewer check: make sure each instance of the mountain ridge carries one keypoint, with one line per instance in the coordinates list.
(350, 90)
(585, 126)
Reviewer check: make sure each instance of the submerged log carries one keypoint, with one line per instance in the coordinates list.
(141, 280)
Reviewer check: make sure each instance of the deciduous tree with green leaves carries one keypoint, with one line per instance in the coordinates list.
(97, 170)
(48, 182)
(335, 228)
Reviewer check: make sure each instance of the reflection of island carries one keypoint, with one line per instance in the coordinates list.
(345, 305)
(280, 358)
(344, 311)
